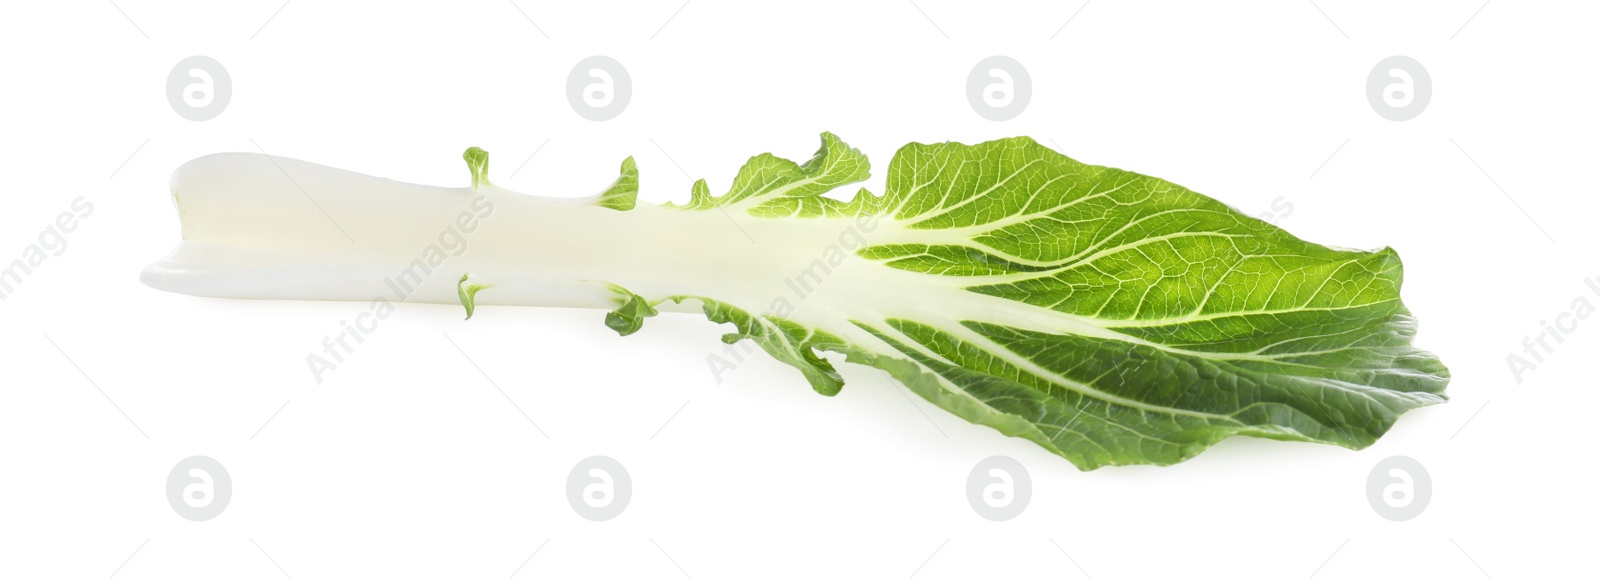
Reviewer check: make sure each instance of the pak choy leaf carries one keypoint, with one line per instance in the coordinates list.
(1109, 317)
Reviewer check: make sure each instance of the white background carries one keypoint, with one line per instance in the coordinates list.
(407, 461)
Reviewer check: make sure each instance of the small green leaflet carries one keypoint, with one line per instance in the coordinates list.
(622, 193)
(1111, 317)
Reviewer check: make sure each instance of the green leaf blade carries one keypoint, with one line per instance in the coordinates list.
(1113, 318)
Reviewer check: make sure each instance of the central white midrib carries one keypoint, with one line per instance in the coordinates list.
(657, 252)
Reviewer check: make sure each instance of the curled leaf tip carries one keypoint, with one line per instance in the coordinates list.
(630, 313)
(468, 292)
(477, 162)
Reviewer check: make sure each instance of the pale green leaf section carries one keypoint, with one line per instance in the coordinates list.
(791, 343)
(767, 181)
(624, 192)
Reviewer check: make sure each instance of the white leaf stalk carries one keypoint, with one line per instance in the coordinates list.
(259, 227)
